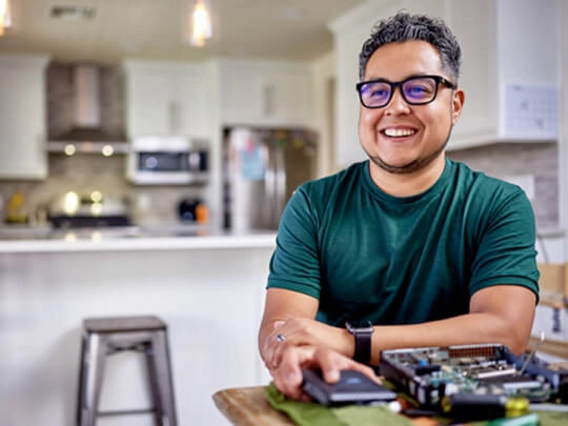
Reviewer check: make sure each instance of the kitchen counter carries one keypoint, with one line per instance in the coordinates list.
(22, 240)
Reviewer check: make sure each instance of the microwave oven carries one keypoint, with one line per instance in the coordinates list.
(167, 161)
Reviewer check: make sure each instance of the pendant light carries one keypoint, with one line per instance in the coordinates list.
(5, 16)
(200, 23)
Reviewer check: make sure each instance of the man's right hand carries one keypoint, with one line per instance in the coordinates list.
(288, 375)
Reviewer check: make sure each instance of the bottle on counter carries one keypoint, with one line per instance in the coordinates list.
(201, 213)
(16, 210)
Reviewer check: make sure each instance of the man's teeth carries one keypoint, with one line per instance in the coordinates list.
(397, 133)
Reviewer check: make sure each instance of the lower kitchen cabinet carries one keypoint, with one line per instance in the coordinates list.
(23, 127)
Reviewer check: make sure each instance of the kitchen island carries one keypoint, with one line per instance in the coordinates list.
(208, 288)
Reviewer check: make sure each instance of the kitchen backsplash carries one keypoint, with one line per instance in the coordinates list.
(85, 173)
(536, 161)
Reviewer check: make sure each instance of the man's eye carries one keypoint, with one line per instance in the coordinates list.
(417, 90)
(379, 93)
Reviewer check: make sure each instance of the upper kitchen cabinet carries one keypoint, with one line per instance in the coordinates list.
(350, 31)
(23, 153)
(510, 70)
(265, 93)
(168, 98)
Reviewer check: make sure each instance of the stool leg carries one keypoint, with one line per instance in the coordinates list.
(93, 378)
(164, 376)
(154, 386)
(80, 389)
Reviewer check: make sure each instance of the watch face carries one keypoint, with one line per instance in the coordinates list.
(359, 325)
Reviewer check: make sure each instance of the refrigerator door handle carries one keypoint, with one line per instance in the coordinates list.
(269, 186)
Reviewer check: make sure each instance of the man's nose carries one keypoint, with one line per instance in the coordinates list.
(397, 104)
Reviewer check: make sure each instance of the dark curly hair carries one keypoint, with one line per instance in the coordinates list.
(406, 27)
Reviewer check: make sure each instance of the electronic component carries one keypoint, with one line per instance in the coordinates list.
(473, 381)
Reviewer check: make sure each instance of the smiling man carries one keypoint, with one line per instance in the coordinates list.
(408, 248)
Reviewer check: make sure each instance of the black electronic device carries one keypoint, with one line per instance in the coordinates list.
(473, 381)
(353, 387)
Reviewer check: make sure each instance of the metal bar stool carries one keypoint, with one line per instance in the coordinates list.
(106, 336)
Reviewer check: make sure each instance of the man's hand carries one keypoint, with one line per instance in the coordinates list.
(299, 332)
(288, 375)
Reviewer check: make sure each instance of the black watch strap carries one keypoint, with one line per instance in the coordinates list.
(362, 333)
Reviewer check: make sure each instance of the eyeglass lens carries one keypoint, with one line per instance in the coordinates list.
(418, 90)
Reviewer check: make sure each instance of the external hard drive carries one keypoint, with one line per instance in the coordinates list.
(353, 387)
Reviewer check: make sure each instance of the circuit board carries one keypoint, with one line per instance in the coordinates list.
(473, 377)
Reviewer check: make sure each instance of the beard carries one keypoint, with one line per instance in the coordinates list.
(413, 166)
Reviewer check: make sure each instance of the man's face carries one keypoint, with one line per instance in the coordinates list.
(399, 137)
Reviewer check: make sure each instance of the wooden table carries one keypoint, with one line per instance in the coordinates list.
(249, 407)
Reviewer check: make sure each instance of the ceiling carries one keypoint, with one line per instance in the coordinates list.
(152, 29)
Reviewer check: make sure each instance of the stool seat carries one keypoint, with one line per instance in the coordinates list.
(105, 336)
(123, 324)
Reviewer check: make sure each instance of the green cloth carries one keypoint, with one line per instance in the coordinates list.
(365, 254)
(313, 414)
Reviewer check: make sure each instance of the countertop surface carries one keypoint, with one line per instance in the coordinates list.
(19, 239)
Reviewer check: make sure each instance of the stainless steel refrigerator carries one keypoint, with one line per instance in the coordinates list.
(261, 170)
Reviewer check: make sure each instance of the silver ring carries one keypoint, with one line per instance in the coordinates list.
(280, 338)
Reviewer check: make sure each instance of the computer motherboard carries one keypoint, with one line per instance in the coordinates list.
(474, 381)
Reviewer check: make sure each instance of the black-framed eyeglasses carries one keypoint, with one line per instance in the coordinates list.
(417, 90)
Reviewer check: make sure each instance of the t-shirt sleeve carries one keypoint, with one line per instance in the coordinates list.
(295, 263)
(506, 252)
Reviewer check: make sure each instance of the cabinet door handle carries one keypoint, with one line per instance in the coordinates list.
(268, 100)
(175, 117)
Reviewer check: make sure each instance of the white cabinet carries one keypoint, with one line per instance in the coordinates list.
(265, 93)
(167, 98)
(510, 70)
(350, 31)
(23, 127)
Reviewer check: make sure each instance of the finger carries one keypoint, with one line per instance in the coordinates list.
(288, 376)
(366, 370)
(280, 348)
(331, 364)
(271, 344)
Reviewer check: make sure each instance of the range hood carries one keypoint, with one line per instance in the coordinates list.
(87, 134)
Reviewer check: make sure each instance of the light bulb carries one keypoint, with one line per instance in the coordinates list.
(200, 24)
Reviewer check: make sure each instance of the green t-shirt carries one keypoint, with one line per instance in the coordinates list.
(365, 254)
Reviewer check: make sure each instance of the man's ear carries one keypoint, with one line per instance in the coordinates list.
(457, 104)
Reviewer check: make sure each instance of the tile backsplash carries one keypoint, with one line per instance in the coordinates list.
(539, 161)
(84, 173)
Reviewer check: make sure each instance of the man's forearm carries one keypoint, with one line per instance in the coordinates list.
(465, 329)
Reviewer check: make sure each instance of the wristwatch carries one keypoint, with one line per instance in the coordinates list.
(362, 331)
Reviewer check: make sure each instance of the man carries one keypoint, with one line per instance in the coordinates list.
(426, 250)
